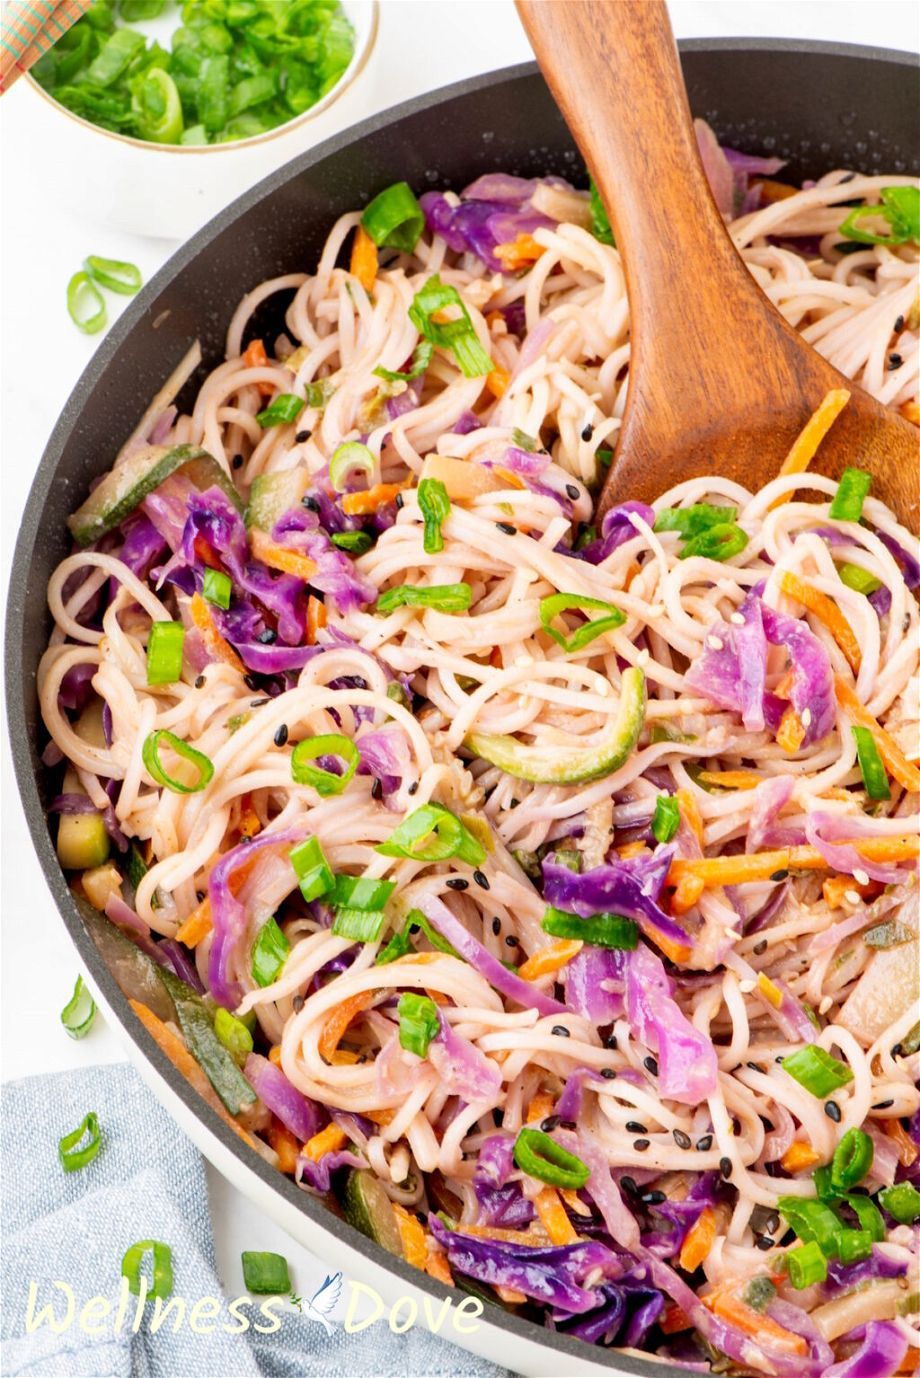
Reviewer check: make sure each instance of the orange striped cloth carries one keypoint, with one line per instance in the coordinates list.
(28, 29)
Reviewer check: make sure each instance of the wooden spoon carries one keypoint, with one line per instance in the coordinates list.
(719, 383)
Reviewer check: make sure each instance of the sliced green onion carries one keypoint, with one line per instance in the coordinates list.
(666, 818)
(600, 221)
(217, 588)
(854, 1245)
(158, 107)
(265, 1272)
(85, 305)
(759, 1292)
(851, 494)
(162, 1283)
(555, 603)
(71, 1156)
(150, 754)
(900, 209)
(318, 394)
(541, 1157)
(875, 777)
(325, 782)
(457, 335)
(600, 930)
(352, 457)
(690, 521)
(418, 1022)
(852, 1159)
(805, 1265)
(813, 1220)
(902, 1201)
(433, 833)
(442, 597)
(314, 874)
(394, 219)
(269, 953)
(435, 505)
(523, 441)
(817, 1071)
(283, 408)
(78, 1014)
(716, 543)
(421, 358)
(360, 925)
(361, 892)
(114, 274)
(114, 57)
(399, 946)
(164, 652)
(416, 919)
(858, 579)
(868, 1215)
(355, 542)
(233, 1034)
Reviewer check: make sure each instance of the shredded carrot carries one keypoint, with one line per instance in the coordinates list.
(364, 259)
(411, 1236)
(799, 1157)
(550, 959)
(510, 480)
(381, 1117)
(629, 849)
(197, 926)
(285, 1145)
(769, 990)
(279, 557)
(171, 1044)
(907, 1149)
(809, 438)
(497, 381)
(731, 779)
(736, 870)
(700, 1238)
(541, 1106)
(274, 1055)
(254, 356)
(510, 1295)
(827, 611)
(791, 731)
(673, 1320)
(495, 658)
(358, 504)
(725, 1302)
(249, 823)
(344, 1057)
(634, 569)
(436, 996)
(690, 813)
(552, 1214)
(836, 887)
(521, 253)
(771, 191)
(215, 643)
(686, 895)
(906, 774)
(339, 1020)
(316, 618)
(574, 1202)
(911, 412)
(437, 1267)
(328, 1140)
(677, 952)
(784, 688)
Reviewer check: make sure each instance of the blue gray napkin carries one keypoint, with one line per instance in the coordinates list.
(148, 1182)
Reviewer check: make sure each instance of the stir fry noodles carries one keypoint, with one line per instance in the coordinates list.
(544, 892)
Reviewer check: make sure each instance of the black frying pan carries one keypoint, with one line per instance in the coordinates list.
(820, 105)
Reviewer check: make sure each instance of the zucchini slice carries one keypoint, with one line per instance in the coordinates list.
(370, 1210)
(125, 488)
(198, 1029)
(271, 495)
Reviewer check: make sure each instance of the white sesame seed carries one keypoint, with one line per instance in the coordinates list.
(852, 896)
(747, 986)
(825, 1005)
(715, 642)
(737, 618)
(861, 877)
(806, 717)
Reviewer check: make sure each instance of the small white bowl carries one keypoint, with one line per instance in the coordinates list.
(167, 190)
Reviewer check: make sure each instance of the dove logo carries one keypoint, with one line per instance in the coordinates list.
(323, 1302)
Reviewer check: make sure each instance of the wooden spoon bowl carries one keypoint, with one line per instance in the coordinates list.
(719, 382)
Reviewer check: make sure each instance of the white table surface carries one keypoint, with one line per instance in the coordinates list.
(422, 44)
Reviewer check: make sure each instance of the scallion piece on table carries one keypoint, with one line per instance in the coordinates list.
(902, 1201)
(325, 782)
(217, 588)
(858, 579)
(599, 930)
(851, 494)
(721, 542)
(150, 754)
(418, 1022)
(233, 1034)
(852, 1159)
(355, 542)
(162, 1281)
(164, 652)
(85, 305)
(541, 1157)
(81, 1146)
(352, 457)
(394, 219)
(283, 408)
(114, 274)
(360, 925)
(314, 874)
(875, 777)
(441, 597)
(269, 953)
(817, 1071)
(421, 358)
(805, 1265)
(666, 818)
(78, 1014)
(435, 505)
(556, 603)
(433, 833)
(361, 892)
(457, 335)
(265, 1272)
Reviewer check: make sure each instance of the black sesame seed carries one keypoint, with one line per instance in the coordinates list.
(549, 1124)
(763, 1241)
(481, 879)
(635, 1127)
(251, 682)
(514, 803)
(897, 1050)
(560, 1031)
(496, 925)
(899, 325)
(281, 735)
(400, 502)
(704, 1144)
(511, 940)
(629, 1185)
(725, 1167)
(588, 432)
(259, 703)
(458, 883)
(653, 1198)
(610, 1041)
(756, 1066)
(680, 1138)
(199, 895)
(572, 492)
(760, 947)
(608, 1073)
(847, 178)
(640, 1145)
(894, 361)
(268, 637)
(237, 461)
(377, 789)
(309, 503)
(199, 682)
(651, 1065)
(508, 529)
(832, 1111)
(302, 437)
(780, 875)
(883, 1105)
(413, 788)
(298, 1003)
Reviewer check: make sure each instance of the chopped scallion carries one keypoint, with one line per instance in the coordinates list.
(73, 1152)
(599, 930)
(264, 1273)
(233, 1034)
(441, 597)
(435, 505)
(325, 782)
(875, 777)
(666, 818)
(283, 408)
(902, 1201)
(858, 579)
(805, 1265)
(217, 588)
(817, 1071)
(350, 458)
(314, 874)
(433, 833)
(457, 335)
(361, 892)
(269, 953)
(556, 603)
(418, 1022)
(541, 1157)
(164, 652)
(162, 1281)
(851, 494)
(394, 219)
(150, 754)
